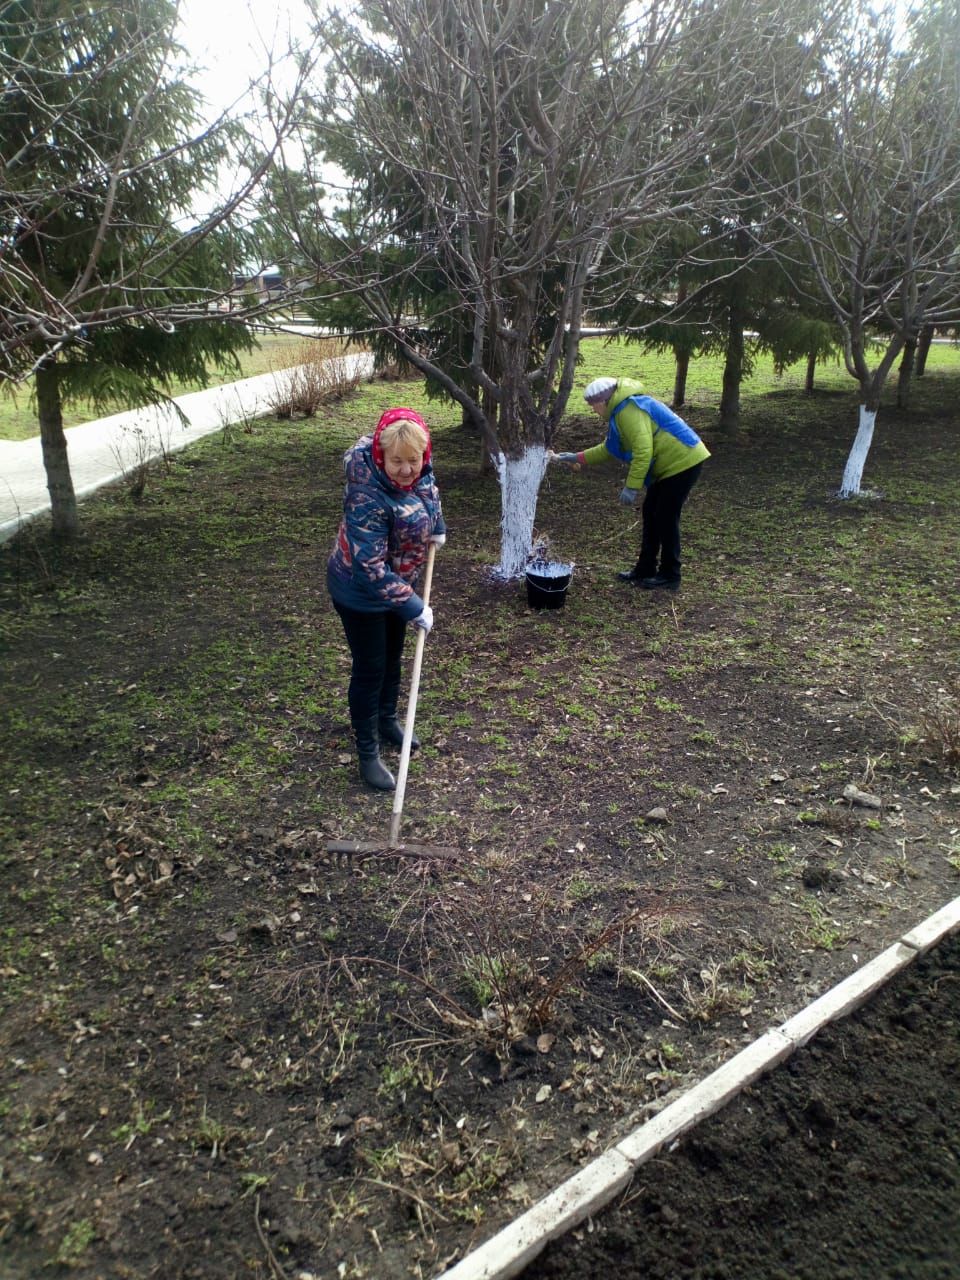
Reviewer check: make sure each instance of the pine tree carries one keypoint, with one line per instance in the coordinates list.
(105, 290)
(874, 199)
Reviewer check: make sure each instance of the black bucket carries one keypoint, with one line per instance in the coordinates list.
(547, 583)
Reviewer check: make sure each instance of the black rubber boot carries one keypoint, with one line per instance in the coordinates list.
(391, 733)
(391, 730)
(639, 570)
(372, 769)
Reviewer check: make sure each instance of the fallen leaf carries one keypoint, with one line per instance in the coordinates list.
(545, 1042)
(543, 1093)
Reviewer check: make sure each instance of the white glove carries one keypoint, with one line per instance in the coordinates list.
(628, 496)
(424, 620)
(438, 539)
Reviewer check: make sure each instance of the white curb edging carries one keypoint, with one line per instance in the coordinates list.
(846, 995)
(930, 931)
(597, 1183)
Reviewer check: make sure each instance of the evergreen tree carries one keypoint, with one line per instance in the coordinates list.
(874, 201)
(106, 290)
(496, 150)
(713, 285)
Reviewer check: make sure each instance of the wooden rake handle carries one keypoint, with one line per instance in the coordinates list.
(411, 709)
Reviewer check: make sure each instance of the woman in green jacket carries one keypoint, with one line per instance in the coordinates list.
(665, 455)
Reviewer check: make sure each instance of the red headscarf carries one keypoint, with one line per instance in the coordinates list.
(397, 415)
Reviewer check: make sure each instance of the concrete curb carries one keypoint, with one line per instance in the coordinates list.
(105, 450)
(594, 1186)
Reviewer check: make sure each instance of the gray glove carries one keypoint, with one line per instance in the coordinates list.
(628, 496)
(564, 457)
(424, 620)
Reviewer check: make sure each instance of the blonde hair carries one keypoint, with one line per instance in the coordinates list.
(404, 432)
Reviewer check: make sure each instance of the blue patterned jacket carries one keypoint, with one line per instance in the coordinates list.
(382, 541)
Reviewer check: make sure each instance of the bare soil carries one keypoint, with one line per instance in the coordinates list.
(845, 1162)
(223, 1054)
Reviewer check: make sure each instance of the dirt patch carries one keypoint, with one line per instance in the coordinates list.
(224, 1054)
(845, 1162)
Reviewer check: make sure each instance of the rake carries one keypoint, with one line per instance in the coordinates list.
(347, 850)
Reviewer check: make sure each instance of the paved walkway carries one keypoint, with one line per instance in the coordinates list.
(109, 448)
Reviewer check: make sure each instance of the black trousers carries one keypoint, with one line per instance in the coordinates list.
(376, 647)
(660, 541)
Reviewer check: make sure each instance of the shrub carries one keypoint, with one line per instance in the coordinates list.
(320, 374)
(940, 723)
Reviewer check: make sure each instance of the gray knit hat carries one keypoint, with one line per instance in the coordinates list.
(599, 389)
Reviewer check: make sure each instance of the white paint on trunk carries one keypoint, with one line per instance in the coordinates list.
(856, 460)
(519, 486)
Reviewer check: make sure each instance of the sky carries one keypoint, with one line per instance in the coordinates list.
(229, 43)
(229, 40)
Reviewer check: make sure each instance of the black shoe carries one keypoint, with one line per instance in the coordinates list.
(658, 580)
(376, 774)
(630, 575)
(391, 733)
(372, 769)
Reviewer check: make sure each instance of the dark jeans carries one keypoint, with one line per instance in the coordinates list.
(376, 646)
(660, 542)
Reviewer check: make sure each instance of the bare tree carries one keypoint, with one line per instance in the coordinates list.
(498, 153)
(875, 200)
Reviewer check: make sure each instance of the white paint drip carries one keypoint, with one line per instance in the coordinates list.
(519, 487)
(857, 458)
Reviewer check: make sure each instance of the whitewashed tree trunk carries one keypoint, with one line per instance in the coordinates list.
(853, 471)
(519, 486)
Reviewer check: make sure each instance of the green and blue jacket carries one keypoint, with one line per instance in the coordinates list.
(642, 431)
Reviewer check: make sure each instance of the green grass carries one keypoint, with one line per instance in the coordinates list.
(178, 751)
(615, 358)
(18, 420)
(704, 380)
